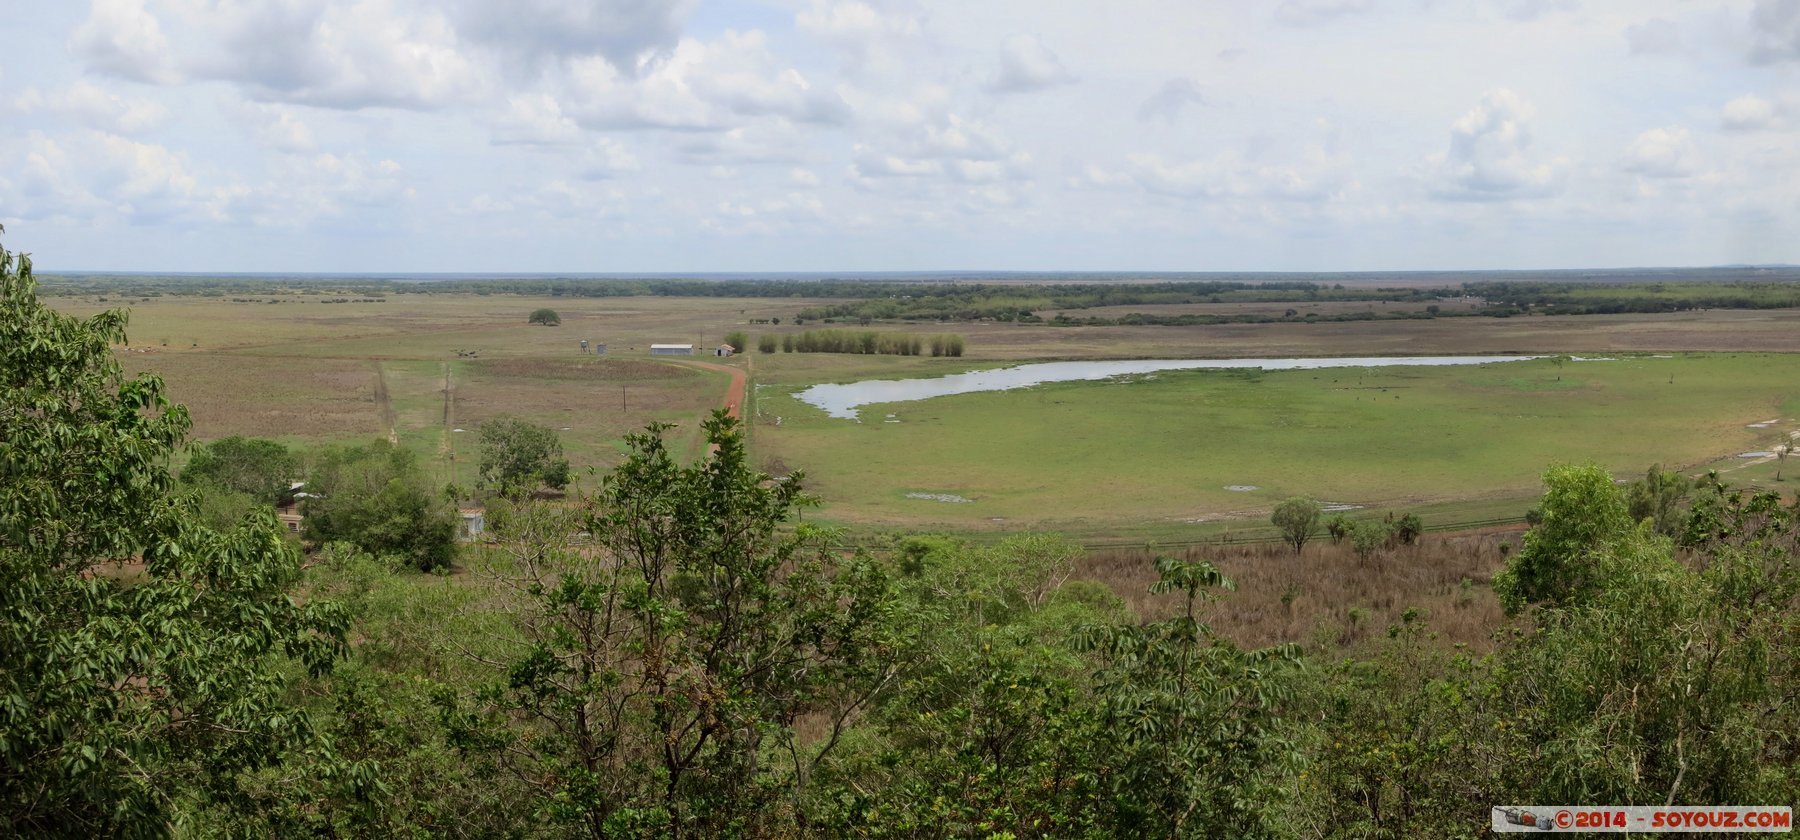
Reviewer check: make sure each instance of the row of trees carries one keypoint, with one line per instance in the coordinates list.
(1300, 518)
(864, 341)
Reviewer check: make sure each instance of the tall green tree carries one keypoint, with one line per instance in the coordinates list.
(657, 683)
(376, 498)
(1563, 558)
(122, 692)
(545, 317)
(260, 468)
(518, 457)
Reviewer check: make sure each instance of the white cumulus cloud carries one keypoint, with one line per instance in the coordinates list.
(88, 105)
(1748, 113)
(1662, 153)
(1490, 156)
(123, 38)
(624, 32)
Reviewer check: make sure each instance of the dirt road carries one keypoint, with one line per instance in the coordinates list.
(734, 393)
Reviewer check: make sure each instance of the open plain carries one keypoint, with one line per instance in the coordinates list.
(1172, 456)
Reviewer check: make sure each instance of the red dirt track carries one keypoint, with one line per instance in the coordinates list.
(734, 393)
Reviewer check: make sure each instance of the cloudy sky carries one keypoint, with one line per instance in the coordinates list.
(820, 135)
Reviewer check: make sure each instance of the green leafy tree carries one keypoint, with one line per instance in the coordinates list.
(1581, 514)
(1192, 738)
(655, 684)
(1663, 682)
(121, 694)
(222, 509)
(1370, 537)
(1401, 750)
(987, 728)
(1339, 526)
(1297, 518)
(518, 457)
(386, 768)
(376, 498)
(738, 340)
(257, 467)
(1658, 497)
(766, 343)
(545, 317)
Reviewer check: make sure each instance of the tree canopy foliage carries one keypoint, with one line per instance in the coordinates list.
(1568, 555)
(376, 497)
(1297, 518)
(544, 317)
(518, 457)
(120, 689)
(257, 467)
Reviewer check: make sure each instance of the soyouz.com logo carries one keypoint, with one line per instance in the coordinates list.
(1644, 819)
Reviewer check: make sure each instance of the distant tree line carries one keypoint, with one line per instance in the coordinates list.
(866, 342)
(935, 300)
(1601, 299)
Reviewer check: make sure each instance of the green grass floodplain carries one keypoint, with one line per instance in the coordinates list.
(1155, 454)
(1102, 461)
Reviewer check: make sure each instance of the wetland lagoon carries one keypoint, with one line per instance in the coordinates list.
(843, 400)
(1078, 447)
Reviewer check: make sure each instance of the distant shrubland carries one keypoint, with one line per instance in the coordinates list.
(872, 342)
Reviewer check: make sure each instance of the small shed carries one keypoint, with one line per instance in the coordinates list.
(474, 522)
(599, 349)
(724, 350)
(671, 349)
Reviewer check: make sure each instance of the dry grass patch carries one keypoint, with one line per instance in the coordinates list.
(266, 397)
(1328, 597)
(580, 369)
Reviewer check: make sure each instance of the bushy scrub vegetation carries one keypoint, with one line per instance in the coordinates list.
(950, 689)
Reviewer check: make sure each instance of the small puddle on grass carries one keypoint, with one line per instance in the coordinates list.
(939, 497)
